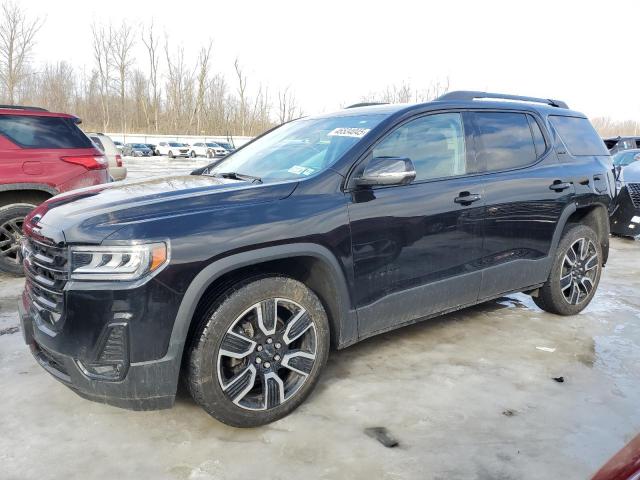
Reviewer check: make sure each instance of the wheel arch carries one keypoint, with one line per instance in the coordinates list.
(596, 217)
(18, 192)
(310, 263)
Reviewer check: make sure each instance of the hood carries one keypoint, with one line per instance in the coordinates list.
(631, 173)
(91, 214)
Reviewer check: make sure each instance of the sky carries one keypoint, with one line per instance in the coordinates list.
(331, 53)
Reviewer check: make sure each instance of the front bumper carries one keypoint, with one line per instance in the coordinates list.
(144, 385)
(625, 219)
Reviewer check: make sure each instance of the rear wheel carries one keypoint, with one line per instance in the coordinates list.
(259, 351)
(192, 154)
(575, 273)
(170, 154)
(11, 220)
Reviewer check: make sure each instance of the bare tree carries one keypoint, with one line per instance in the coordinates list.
(122, 54)
(102, 56)
(151, 44)
(242, 92)
(287, 106)
(17, 39)
(179, 89)
(203, 76)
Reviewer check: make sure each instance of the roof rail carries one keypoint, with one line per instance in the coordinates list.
(471, 95)
(22, 107)
(366, 104)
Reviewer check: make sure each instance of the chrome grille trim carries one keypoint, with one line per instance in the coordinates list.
(46, 274)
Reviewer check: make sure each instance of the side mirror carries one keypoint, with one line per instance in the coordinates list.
(387, 171)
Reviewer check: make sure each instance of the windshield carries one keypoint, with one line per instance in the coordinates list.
(226, 145)
(174, 144)
(299, 149)
(212, 145)
(139, 145)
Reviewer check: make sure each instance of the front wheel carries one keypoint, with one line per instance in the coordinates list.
(192, 154)
(575, 273)
(170, 154)
(258, 352)
(11, 220)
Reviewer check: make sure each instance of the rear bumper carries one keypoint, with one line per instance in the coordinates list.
(118, 173)
(148, 385)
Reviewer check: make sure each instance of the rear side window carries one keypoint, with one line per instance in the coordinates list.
(538, 137)
(578, 135)
(43, 132)
(504, 140)
(98, 143)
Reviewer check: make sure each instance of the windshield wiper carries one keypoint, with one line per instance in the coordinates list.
(238, 176)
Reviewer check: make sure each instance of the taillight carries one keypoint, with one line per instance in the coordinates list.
(118, 160)
(90, 162)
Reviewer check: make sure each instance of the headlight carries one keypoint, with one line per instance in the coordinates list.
(127, 262)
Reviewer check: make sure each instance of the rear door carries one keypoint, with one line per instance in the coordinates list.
(525, 194)
(416, 247)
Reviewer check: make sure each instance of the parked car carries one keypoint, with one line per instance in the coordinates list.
(173, 149)
(41, 154)
(323, 232)
(136, 150)
(624, 465)
(117, 170)
(625, 219)
(153, 148)
(618, 144)
(207, 149)
(227, 146)
(119, 145)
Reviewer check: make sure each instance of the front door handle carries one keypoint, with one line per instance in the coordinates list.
(559, 185)
(466, 198)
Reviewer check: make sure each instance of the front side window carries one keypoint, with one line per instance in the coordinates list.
(504, 140)
(300, 148)
(434, 143)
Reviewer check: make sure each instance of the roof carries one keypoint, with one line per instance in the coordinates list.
(467, 99)
(31, 111)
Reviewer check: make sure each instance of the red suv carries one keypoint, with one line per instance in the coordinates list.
(41, 154)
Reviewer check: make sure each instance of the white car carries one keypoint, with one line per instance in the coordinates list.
(207, 149)
(173, 149)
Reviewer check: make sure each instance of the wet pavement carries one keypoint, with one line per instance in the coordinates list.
(469, 395)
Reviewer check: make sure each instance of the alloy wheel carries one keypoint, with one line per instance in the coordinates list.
(267, 354)
(579, 271)
(10, 236)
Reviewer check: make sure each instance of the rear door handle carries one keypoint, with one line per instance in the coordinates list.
(559, 186)
(466, 198)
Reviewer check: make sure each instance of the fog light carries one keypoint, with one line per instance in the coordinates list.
(635, 219)
(113, 359)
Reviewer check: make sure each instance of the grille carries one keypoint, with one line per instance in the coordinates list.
(634, 193)
(45, 268)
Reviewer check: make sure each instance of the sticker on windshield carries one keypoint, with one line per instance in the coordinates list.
(349, 132)
(299, 170)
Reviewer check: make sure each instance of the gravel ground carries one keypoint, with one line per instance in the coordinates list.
(470, 395)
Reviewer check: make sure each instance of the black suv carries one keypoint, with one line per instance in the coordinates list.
(318, 234)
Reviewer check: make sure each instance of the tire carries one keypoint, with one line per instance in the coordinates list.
(209, 154)
(11, 218)
(192, 154)
(170, 154)
(232, 357)
(570, 288)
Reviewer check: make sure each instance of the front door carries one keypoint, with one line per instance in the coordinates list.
(416, 247)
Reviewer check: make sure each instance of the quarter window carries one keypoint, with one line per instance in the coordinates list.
(504, 140)
(434, 143)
